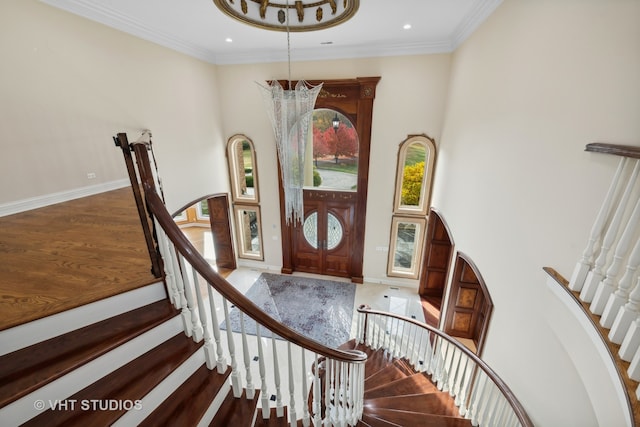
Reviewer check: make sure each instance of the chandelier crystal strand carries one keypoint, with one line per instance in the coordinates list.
(290, 112)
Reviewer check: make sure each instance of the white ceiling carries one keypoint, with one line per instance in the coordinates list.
(197, 28)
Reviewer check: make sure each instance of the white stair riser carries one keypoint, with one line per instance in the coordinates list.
(23, 409)
(52, 326)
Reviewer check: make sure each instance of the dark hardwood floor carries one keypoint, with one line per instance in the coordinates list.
(69, 254)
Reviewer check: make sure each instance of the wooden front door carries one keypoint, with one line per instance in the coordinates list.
(324, 242)
(354, 99)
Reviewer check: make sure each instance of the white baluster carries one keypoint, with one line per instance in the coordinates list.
(292, 395)
(317, 390)
(584, 265)
(235, 374)
(196, 326)
(263, 383)
(634, 367)
(328, 373)
(209, 351)
(182, 299)
(167, 262)
(624, 305)
(276, 376)
(631, 340)
(609, 284)
(221, 363)
(597, 274)
(250, 389)
(305, 390)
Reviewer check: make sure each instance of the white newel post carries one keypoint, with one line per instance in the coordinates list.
(597, 274)
(584, 265)
(609, 284)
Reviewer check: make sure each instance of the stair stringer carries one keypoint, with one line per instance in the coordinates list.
(578, 341)
(25, 408)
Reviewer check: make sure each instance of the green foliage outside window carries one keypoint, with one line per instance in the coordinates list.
(412, 184)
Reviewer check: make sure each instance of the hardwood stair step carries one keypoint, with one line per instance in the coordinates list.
(413, 384)
(408, 418)
(131, 382)
(273, 420)
(440, 403)
(26, 370)
(384, 376)
(373, 421)
(377, 360)
(240, 412)
(188, 403)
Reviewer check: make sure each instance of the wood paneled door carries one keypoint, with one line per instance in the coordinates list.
(324, 241)
(470, 306)
(351, 99)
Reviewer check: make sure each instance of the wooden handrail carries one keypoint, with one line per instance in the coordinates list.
(615, 149)
(520, 412)
(156, 206)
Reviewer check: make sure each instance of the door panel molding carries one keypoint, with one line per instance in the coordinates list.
(470, 306)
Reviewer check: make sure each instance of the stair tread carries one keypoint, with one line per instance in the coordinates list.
(408, 418)
(189, 402)
(273, 420)
(440, 403)
(377, 360)
(374, 421)
(236, 412)
(130, 382)
(383, 376)
(412, 384)
(28, 369)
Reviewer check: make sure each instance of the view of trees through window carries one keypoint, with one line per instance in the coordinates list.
(335, 151)
(412, 176)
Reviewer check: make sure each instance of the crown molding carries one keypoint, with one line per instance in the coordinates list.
(107, 16)
(111, 18)
(472, 21)
(335, 52)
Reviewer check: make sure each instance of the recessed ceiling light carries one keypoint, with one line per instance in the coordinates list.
(407, 26)
(228, 40)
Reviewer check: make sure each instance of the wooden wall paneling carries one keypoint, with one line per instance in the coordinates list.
(470, 305)
(221, 230)
(437, 257)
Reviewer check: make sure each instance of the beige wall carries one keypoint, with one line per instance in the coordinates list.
(68, 85)
(409, 99)
(538, 81)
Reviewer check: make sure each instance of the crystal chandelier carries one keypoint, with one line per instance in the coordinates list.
(290, 109)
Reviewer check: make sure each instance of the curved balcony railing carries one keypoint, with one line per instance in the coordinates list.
(481, 396)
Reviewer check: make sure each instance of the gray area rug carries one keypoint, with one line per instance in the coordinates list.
(319, 309)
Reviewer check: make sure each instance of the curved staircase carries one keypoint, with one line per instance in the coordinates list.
(139, 368)
(396, 394)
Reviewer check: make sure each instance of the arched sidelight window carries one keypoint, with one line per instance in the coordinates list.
(414, 175)
(245, 196)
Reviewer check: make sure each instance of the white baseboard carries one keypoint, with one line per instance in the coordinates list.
(59, 197)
